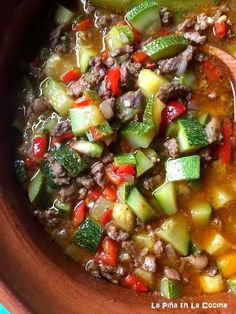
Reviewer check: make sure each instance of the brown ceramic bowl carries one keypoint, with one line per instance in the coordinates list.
(36, 276)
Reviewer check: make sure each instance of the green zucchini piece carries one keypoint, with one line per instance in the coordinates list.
(93, 96)
(64, 208)
(201, 213)
(150, 82)
(185, 168)
(188, 79)
(37, 189)
(88, 235)
(68, 158)
(145, 18)
(139, 205)
(63, 15)
(151, 154)
(143, 163)
(138, 134)
(232, 284)
(125, 159)
(123, 217)
(191, 135)
(100, 132)
(124, 190)
(203, 119)
(170, 289)
(84, 55)
(48, 175)
(165, 47)
(20, 171)
(172, 130)
(49, 124)
(119, 36)
(83, 118)
(148, 116)
(56, 94)
(174, 230)
(87, 148)
(167, 198)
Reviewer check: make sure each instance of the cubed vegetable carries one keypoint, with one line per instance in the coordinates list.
(138, 134)
(123, 217)
(209, 284)
(150, 82)
(170, 288)
(201, 213)
(167, 198)
(227, 264)
(119, 36)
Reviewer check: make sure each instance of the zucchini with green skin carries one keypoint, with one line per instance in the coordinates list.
(37, 189)
(84, 55)
(87, 148)
(83, 118)
(69, 159)
(170, 289)
(123, 217)
(64, 208)
(125, 159)
(174, 230)
(101, 132)
(143, 163)
(88, 235)
(46, 170)
(119, 36)
(167, 198)
(191, 135)
(185, 168)
(20, 170)
(124, 190)
(56, 95)
(148, 116)
(140, 206)
(201, 213)
(138, 134)
(232, 284)
(165, 47)
(63, 15)
(150, 82)
(145, 18)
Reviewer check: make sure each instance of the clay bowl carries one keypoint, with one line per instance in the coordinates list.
(36, 276)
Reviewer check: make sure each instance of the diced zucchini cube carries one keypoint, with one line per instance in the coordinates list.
(138, 134)
(119, 36)
(150, 82)
(167, 198)
(201, 213)
(143, 163)
(227, 264)
(170, 288)
(123, 217)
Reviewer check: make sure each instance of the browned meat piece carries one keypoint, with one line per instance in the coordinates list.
(107, 108)
(149, 263)
(70, 192)
(107, 157)
(172, 91)
(61, 128)
(186, 25)
(56, 42)
(37, 72)
(104, 90)
(179, 62)
(166, 16)
(158, 248)
(203, 22)
(49, 218)
(170, 253)
(98, 173)
(171, 273)
(98, 70)
(212, 130)
(132, 99)
(111, 62)
(195, 37)
(130, 248)
(104, 21)
(77, 88)
(133, 68)
(85, 181)
(116, 233)
(172, 147)
(92, 268)
(205, 153)
(151, 182)
(121, 51)
(38, 107)
(59, 174)
(200, 262)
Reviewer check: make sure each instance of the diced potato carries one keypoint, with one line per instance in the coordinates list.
(211, 284)
(227, 264)
(150, 82)
(144, 240)
(146, 277)
(123, 217)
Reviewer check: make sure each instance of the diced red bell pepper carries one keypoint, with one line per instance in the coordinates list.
(106, 217)
(126, 170)
(110, 193)
(83, 25)
(140, 57)
(132, 281)
(71, 76)
(79, 213)
(113, 79)
(39, 146)
(225, 150)
(164, 31)
(172, 111)
(30, 163)
(137, 37)
(104, 55)
(108, 253)
(221, 29)
(60, 139)
(112, 175)
(82, 102)
(94, 195)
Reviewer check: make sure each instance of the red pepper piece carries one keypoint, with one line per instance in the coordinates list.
(113, 79)
(108, 253)
(104, 55)
(137, 37)
(60, 139)
(110, 193)
(126, 170)
(94, 194)
(71, 76)
(140, 57)
(112, 175)
(106, 217)
(221, 29)
(164, 31)
(79, 213)
(225, 150)
(39, 146)
(82, 102)
(132, 281)
(83, 25)
(30, 163)
(172, 111)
